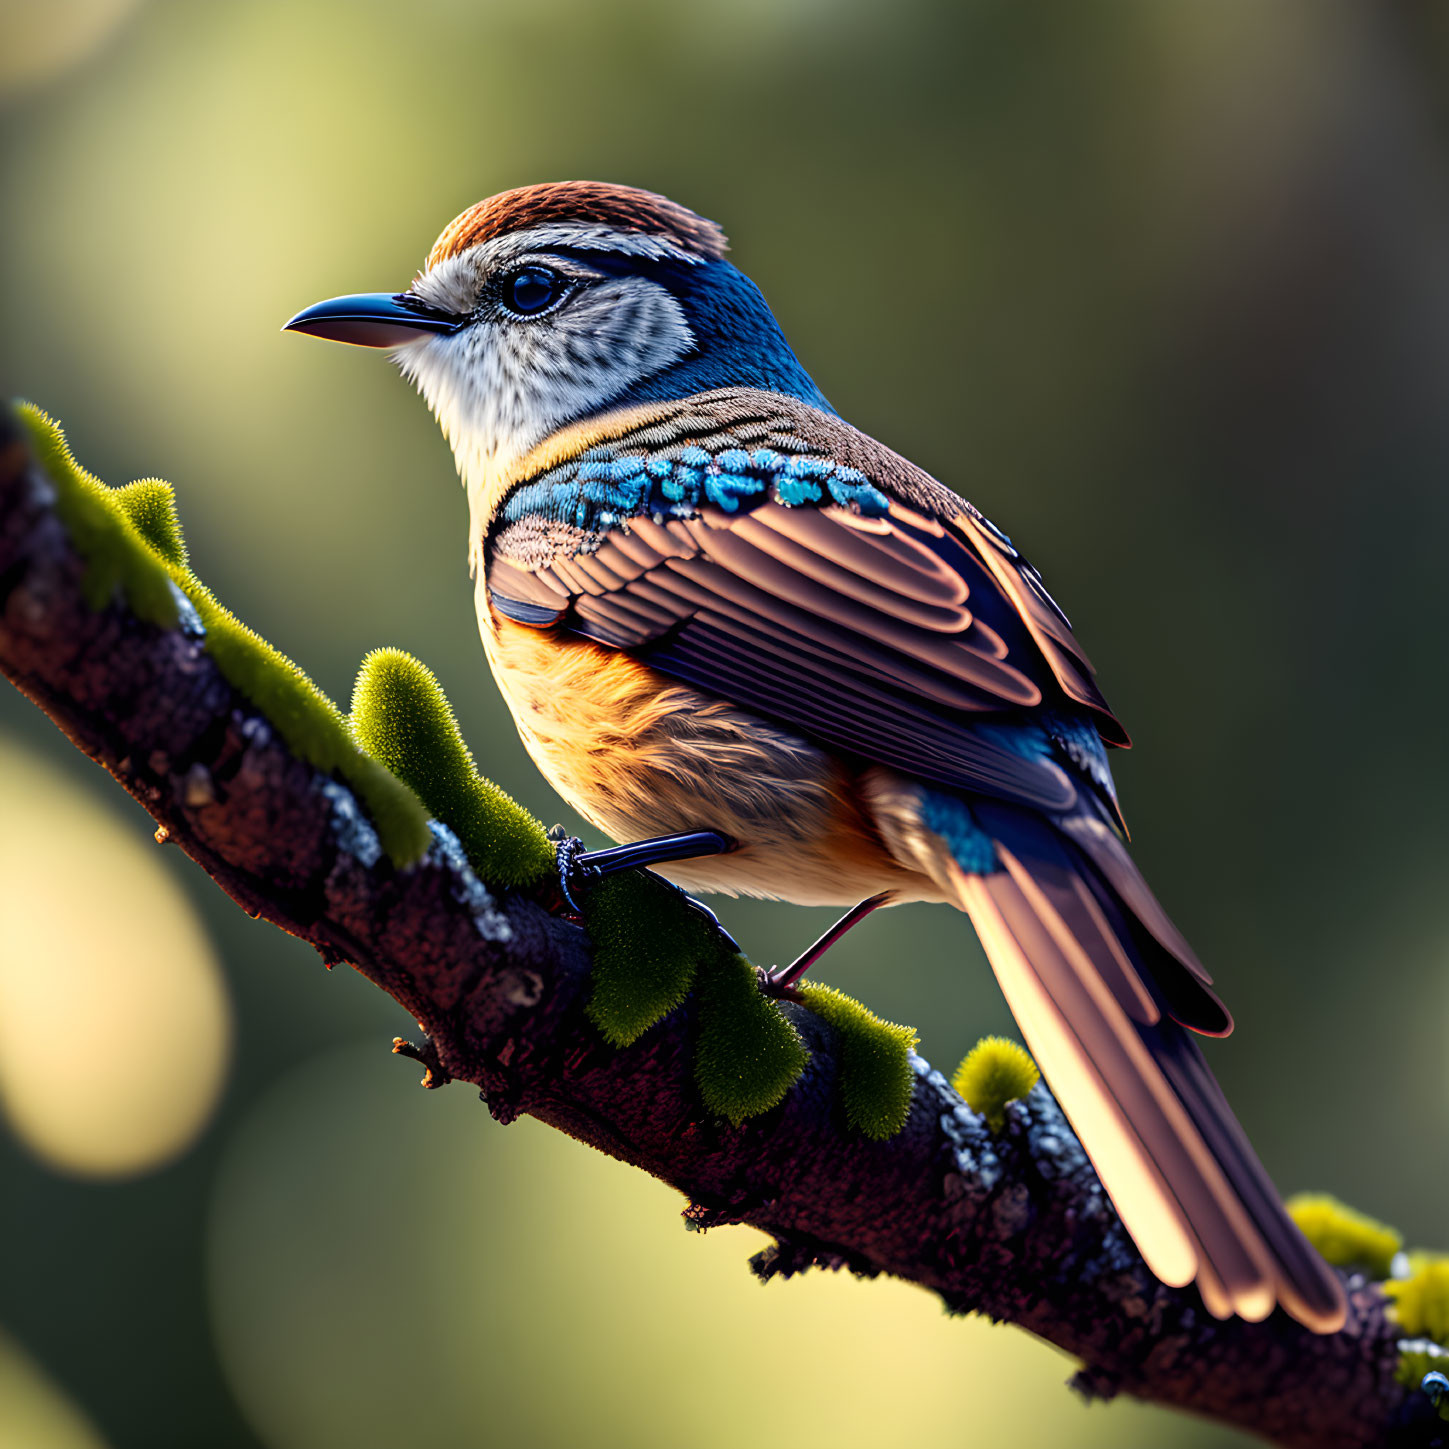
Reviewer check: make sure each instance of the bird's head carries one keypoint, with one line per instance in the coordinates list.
(547, 305)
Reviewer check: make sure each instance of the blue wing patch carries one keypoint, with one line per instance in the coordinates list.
(600, 490)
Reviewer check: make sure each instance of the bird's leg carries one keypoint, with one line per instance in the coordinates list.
(782, 978)
(577, 865)
(657, 851)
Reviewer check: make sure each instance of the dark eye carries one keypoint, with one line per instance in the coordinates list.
(532, 289)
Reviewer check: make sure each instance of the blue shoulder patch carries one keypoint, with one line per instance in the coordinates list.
(601, 489)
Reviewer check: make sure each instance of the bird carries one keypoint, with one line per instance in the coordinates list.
(713, 605)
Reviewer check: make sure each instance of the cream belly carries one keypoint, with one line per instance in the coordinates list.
(639, 755)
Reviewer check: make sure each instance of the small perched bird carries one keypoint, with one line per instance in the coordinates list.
(714, 605)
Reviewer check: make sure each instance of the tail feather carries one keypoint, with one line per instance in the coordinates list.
(1305, 1286)
(1104, 848)
(1076, 963)
(1185, 993)
(1115, 1049)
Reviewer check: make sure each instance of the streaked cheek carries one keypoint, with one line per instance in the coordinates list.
(498, 388)
(617, 337)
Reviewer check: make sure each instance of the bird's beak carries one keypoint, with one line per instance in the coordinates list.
(375, 319)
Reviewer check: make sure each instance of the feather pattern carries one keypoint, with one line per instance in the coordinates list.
(749, 547)
(735, 535)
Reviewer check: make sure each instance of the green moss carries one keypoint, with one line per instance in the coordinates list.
(650, 947)
(117, 554)
(150, 504)
(1346, 1238)
(312, 725)
(748, 1054)
(876, 1080)
(401, 716)
(995, 1073)
(131, 541)
(1421, 1301)
(648, 942)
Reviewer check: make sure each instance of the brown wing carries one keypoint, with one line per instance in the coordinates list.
(878, 635)
(909, 640)
(906, 630)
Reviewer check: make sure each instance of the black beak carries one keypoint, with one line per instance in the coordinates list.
(374, 319)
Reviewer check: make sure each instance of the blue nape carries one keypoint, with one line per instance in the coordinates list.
(738, 341)
(951, 819)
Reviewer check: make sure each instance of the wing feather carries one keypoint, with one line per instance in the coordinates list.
(884, 632)
(887, 557)
(875, 664)
(895, 589)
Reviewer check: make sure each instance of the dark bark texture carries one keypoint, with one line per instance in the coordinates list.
(1014, 1225)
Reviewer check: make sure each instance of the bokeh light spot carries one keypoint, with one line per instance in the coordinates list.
(34, 1413)
(114, 1024)
(41, 40)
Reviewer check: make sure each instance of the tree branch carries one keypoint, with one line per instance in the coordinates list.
(1012, 1224)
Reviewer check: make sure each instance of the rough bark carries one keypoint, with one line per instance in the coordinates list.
(1014, 1225)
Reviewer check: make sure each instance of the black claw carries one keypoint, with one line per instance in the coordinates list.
(571, 868)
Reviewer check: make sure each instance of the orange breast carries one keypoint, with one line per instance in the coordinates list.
(638, 754)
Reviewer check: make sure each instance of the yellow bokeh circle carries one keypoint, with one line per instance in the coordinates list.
(114, 1023)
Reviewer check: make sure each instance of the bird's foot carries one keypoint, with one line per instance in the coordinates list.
(773, 984)
(568, 851)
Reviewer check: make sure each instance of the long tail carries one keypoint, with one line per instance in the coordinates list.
(1103, 987)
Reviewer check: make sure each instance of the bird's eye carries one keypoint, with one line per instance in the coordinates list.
(531, 290)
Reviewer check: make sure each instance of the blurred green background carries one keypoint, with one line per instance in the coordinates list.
(1162, 288)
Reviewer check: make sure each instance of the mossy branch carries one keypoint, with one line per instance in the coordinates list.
(150, 677)
(996, 1073)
